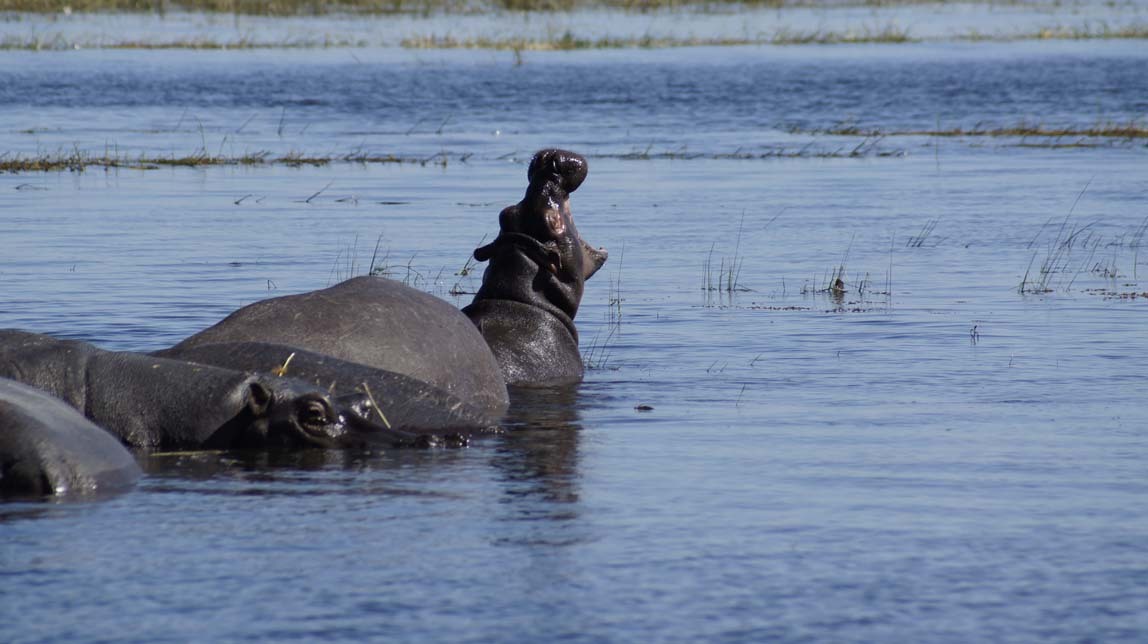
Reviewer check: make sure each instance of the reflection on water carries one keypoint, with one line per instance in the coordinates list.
(538, 455)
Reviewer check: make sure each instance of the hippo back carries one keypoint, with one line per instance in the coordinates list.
(47, 447)
(379, 323)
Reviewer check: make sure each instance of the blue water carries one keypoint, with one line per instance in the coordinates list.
(933, 455)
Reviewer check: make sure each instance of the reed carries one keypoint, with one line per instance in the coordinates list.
(567, 41)
(1087, 31)
(596, 356)
(1058, 253)
(418, 7)
(614, 294)
(78, 161)
(1132, 129)
(918, 240)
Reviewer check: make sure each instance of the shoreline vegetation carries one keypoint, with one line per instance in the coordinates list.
(1100, 130)
(888, 34)
(1024, 135)
(78, 160)
(424, 7)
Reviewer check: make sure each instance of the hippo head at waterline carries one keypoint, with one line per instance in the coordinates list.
(150, 402)
(533, 285)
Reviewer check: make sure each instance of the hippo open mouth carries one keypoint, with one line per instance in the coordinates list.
(534, 282)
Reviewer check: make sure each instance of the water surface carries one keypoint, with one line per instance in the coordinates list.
(931, 455)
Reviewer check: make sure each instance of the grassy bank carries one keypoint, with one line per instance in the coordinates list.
(1102, 130)
(78, 161)
(320, 7)
(568, 41)
(565, 42)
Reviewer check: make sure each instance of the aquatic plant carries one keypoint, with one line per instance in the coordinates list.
(597, 354)
(321, 7)
(918, 240)
(78, 161)
(1132, 129)
(1060, 260)
(726, 280)
(1087, 31)
(614, 294)
(567, 41)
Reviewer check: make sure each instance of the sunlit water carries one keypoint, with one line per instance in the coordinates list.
(932, 455)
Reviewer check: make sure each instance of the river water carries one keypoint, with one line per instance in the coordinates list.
(951, 449)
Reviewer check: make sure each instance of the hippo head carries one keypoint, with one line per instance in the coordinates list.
(282, 412)
(538, 257)
(533, 285)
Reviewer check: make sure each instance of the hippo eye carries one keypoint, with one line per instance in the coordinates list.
(314, 413)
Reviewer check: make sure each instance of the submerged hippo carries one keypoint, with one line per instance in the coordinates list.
(406, 404)
(47, 447)
(532, 288)
(157, 403)
(519, 328)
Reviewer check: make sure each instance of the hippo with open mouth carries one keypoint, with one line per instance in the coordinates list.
(518, 330)
(533, 285)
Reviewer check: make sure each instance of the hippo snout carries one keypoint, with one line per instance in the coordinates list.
(567, 169)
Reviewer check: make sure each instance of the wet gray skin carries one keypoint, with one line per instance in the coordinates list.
(157, 403)
(47, 448)
(377, 323)
(533, 286)
(402, 402)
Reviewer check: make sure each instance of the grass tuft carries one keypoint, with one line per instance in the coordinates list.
(78, 161)
(1103, 129)
(418, 7)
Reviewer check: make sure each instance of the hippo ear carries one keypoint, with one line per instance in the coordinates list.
(258, 398)
(510, 220)
(483, 253)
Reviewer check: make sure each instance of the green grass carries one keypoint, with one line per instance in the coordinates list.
(60, 43)
(564, 42)
(1102, 31)
(321, 7)
(1105, 129)
(889, 33)
(569, 42)
(245, 7)
(80, 161)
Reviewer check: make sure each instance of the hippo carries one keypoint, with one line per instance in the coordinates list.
(378, 323)
(153, 403)
(48, 448)
(519, 329)
(406, 404)
(533, 285)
